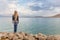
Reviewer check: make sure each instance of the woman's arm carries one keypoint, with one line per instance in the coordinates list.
(12, 19)
(18, 19)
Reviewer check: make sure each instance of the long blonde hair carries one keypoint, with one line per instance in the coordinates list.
(15, 14)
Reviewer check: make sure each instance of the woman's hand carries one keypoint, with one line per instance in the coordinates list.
(15, 21)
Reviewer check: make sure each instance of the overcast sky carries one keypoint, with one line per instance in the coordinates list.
(30, 7)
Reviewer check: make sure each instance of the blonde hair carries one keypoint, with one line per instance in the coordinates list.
(15, 14)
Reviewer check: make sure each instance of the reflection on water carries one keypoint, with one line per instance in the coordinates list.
(32, 25)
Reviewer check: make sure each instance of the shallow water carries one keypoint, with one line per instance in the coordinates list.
(32, 25)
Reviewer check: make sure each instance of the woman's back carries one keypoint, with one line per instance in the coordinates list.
(15, 16)
(15, 19)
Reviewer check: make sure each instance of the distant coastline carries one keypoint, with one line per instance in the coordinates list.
(55, 16)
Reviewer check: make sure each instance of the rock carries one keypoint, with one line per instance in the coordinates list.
(29, 38)
(26, 36)
(22, 33)
(11, 35)
(15, 38)
(1, 35)
(40, 36)
(20, 36)
(51, 38)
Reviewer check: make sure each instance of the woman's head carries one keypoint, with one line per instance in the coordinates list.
(15, 13)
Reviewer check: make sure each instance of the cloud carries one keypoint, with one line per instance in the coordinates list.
(30, 7)
(46, 8)
(24, 11)
(55, 3)
(41, 5)
(38, 8)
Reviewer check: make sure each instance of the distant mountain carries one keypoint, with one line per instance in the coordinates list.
(4, 16)
(24, 16)
(32, 16)
(0, 15)
(56, 16)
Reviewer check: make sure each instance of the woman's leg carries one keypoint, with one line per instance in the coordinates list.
(15, 27)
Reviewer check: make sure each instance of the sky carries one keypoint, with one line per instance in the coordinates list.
(30, 7)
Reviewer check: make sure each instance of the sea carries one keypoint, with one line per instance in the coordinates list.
(48, 26)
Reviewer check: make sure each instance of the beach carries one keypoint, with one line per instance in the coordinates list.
(26, 36)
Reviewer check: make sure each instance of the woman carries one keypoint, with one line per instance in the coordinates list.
(15, 19)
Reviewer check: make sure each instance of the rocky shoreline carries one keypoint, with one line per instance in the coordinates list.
(26, 36)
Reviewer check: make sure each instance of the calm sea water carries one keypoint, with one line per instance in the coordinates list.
(32, 25)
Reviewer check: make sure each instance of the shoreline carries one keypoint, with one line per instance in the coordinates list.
(26, 36)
